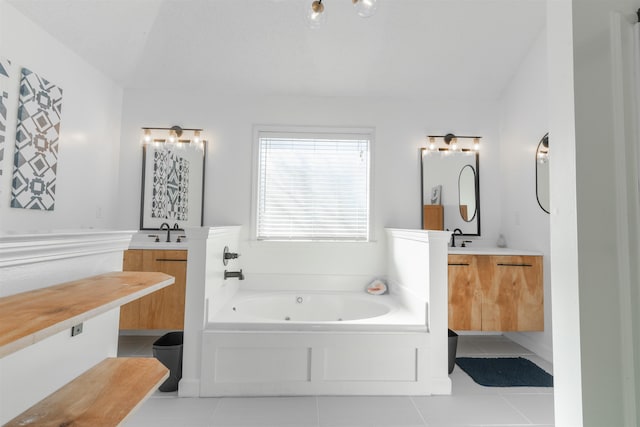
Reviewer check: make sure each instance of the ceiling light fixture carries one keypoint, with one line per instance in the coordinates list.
(365, 8)
(316, 15)
(451, 143)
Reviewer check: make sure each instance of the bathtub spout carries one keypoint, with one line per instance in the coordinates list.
(231, 274)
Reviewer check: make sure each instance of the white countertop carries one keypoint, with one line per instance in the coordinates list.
(478, 250)
(141, 240)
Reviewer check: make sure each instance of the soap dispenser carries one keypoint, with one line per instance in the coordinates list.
(501, 243)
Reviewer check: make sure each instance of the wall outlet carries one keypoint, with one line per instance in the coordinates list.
(76, 330)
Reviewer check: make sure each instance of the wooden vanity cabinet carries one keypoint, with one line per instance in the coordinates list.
(508, 289)
(163, 309)
(465, 293)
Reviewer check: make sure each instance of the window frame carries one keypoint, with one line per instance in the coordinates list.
(309, 132)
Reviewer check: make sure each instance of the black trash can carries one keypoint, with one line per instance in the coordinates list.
(453, 347)
(168, 350)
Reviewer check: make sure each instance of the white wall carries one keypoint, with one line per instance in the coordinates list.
(400, 129)
(86, 190)
(593, 226)
(523, 122)
(33, 261)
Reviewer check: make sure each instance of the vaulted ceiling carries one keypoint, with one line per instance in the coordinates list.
(420, 48)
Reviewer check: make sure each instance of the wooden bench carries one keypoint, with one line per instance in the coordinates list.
(105, 394)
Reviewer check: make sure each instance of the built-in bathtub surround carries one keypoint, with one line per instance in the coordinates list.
(297, 340)
(206, 289)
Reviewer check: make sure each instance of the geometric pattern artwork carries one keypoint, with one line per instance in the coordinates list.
(170, 193)
(36, 154)
(5, 66)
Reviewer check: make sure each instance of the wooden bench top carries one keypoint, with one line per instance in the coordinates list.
(29, 317)
(102, 396)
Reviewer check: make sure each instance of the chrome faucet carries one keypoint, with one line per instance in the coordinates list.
(453, 236)
(162, 226)
(231, 274)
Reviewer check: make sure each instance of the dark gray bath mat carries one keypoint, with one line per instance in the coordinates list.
(505, 372)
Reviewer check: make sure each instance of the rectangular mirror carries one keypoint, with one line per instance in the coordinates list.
(451, 191)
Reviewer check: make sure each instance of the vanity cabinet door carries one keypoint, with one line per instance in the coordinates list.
(512, 295)
(163, 309)
(465, 294)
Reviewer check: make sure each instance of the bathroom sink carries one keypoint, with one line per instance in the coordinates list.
(143, 240)
(479, 250)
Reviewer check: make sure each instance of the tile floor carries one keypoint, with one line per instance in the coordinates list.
(469, 405)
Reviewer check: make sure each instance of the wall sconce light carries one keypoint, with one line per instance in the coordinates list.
(450, 143)
(451, 140)
(173, 135)
(316, 15)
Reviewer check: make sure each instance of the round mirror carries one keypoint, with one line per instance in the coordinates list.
(542, 174)
(467, 193)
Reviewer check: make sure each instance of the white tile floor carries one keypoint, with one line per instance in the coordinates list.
(469, 405)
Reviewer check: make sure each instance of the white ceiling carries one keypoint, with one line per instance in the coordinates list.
(420, 48)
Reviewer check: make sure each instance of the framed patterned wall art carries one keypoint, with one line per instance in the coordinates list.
(5, 70)
(172, 185)
(36, 150)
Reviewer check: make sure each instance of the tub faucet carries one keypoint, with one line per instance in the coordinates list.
(453, 236)
(162, 227)
(232, 274)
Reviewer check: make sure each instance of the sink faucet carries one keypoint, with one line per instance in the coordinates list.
(162, 227)
(453, 236)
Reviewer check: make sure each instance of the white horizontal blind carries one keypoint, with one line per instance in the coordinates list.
(313, 188)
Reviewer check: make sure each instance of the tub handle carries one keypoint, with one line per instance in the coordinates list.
(227, 255)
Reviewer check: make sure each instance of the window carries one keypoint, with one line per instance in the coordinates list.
(313, 186)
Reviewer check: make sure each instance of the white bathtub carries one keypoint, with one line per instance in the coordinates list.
(315, 310)
(271, 343)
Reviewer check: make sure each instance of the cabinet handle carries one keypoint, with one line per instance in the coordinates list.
(460, 264)
(513, 265)
(171, 260)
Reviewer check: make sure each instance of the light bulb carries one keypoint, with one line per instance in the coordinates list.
(172, 136)
(454, 144)
(476, 144)
(432, 143)
(365, 8)
(315, 15)
(147, 136)
(196, 137)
